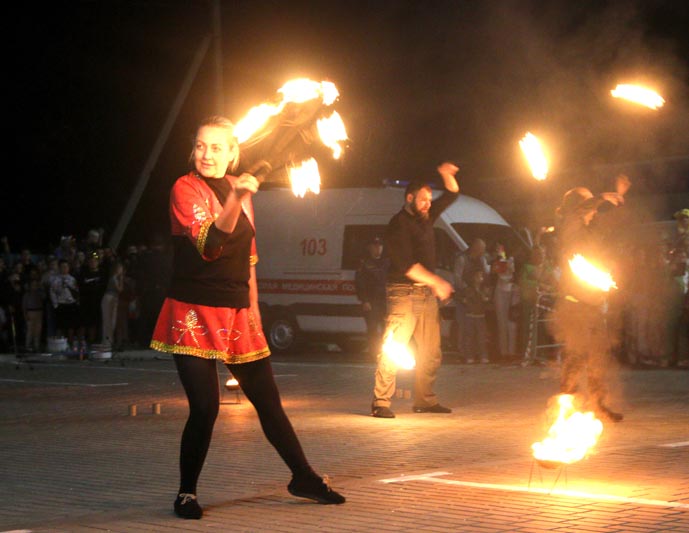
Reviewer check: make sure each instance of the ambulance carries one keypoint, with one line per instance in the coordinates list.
(309, 249)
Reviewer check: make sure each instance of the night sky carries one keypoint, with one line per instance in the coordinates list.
(420, 82)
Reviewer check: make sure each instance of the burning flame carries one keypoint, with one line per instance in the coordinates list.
(332, 132)
(254, 119)
(302, 90)
(639, 95)
(571, 436)
(531, 147)
(398, 353)
(305, 177)
(232, 383)
(590, 274)
(296, 91)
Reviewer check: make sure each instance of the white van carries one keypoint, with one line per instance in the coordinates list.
(309, 249)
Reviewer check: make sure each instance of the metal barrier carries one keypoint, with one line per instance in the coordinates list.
(540, 315)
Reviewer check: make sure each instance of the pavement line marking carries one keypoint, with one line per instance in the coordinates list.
(433, 478)
(115, 368)
(675, 444)
(131, 369)
(63, 383)
(419, 477)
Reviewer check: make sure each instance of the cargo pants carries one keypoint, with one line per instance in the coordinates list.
(412, 316)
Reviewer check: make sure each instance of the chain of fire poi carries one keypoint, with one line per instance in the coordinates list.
(283, 133)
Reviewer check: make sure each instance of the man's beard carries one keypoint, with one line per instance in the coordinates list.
(419, 214)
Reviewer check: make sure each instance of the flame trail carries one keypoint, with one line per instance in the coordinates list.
(638, 95)
(535, 157)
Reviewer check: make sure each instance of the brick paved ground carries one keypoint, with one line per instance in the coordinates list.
(73, 460)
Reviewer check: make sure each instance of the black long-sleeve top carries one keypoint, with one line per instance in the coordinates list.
(410, 239)
(210, 267)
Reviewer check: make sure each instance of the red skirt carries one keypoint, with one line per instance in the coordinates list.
(231, 335)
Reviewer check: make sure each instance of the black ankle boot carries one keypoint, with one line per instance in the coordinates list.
(314, 487)
(187, 506)
(608, 414)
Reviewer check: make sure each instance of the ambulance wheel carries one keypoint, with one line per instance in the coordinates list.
(282, 334)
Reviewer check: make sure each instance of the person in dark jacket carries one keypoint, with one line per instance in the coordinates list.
(580, 317)
(370, 280)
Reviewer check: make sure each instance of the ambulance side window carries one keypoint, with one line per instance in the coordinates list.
(445, 250)
(354, 243)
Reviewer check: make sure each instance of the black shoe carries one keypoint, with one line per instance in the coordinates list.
(382, 412)
(608, 414)
(437, 408)
(186, 506)
(315, 488)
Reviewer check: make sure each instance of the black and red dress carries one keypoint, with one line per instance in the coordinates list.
(207, 310)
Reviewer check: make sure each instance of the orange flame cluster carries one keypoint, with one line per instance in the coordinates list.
(398, 353)
(304, 176)
(572, 435)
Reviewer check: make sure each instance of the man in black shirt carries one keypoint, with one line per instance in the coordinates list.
(413, 291)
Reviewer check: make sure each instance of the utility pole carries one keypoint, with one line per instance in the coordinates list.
(152, 160)
(217, 38)
(145, 174)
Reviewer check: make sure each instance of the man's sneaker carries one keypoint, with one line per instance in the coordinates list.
(315, 488)
(437, 408)
(186, 506)
(382, 412)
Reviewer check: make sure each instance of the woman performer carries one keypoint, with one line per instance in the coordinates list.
(211, 312)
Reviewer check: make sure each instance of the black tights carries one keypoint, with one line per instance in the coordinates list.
(200, 381)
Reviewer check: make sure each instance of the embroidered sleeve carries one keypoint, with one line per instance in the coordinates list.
(203, 236)
(191, 215)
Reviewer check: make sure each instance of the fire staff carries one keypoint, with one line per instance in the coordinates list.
(413, 290)
(211, 313)
(579, 321)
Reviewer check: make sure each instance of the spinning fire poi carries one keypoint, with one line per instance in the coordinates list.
(282, 135)
(638, 95)
(535, 156)
(398, 353)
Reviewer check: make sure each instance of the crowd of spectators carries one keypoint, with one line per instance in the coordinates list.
(503, 296)
(80, 294)
(88, 294)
